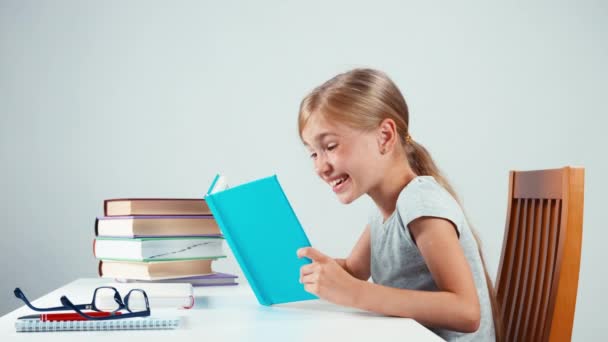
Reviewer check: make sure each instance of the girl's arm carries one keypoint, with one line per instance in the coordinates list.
(359, 260)
(455, 306)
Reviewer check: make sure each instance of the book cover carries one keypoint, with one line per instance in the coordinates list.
(213, 279)
(156, 226)
(155, 206)
(264, 233)
(158, 249)
(154, 270)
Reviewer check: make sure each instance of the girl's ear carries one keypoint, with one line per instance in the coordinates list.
(387, 133)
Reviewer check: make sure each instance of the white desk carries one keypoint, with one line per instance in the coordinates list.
(232, 314)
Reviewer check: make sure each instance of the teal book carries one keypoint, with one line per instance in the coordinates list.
(263, 232)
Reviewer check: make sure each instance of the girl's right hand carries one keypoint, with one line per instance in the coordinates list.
(327, 279)
(342, 263)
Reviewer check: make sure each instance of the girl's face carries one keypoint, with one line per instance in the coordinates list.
(347, 159)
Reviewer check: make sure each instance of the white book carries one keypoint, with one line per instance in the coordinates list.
(158, 249)
(160, 296)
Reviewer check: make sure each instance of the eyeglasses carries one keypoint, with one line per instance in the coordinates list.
(105, 299)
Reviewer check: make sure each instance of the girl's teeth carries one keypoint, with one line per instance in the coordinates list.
(337, 181)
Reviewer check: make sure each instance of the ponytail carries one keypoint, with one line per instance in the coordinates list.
(422, 164)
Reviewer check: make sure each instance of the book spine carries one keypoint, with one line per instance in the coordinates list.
(278, 184)
(244, 266)
(152, 260)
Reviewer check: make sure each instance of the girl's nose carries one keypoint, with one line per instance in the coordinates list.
(322, 165)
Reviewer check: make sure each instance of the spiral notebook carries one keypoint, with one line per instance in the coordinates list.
(148, 323)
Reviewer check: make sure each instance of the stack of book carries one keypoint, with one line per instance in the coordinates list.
(159, 240)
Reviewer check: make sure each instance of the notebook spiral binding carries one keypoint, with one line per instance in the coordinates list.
(29, 325)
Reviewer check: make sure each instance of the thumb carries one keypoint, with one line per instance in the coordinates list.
(312, 254)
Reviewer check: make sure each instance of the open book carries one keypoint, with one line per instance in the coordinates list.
(264, 234)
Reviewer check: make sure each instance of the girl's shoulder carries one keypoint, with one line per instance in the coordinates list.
(424, 196)
(424, 188)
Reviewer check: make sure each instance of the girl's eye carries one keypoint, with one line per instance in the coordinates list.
(313, 155)
(331, 146)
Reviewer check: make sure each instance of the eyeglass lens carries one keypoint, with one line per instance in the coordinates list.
(136, 301)
(106, 300)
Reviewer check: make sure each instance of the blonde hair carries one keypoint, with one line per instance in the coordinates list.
(362, 99)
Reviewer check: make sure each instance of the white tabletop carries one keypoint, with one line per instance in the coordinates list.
(231, 313)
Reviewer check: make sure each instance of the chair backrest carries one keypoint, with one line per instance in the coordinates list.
(538, 273)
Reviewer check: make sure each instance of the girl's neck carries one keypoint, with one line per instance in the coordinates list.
(386, 193)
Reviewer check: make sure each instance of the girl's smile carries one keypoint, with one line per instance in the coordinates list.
(343, 157)
(339, 184)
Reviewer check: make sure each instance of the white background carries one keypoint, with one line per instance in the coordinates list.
(152, 98)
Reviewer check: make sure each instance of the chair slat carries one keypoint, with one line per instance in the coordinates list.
(523, 300)
(517, 274)
(532, 270)
(542, 258)
(552, 237)
(505, 289)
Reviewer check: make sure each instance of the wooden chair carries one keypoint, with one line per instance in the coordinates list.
(539, 265)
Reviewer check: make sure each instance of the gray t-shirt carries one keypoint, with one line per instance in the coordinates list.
(397, 262)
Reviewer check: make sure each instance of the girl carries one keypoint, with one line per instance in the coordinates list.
(418, 247)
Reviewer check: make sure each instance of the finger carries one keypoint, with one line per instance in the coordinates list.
(307, 269)
(312, 254)
(312, 288)
(310, 279)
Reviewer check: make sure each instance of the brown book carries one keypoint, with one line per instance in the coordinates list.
(156, 226)
(155, 206)
(154, 270)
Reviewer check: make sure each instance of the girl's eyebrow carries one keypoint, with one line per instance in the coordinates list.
(320, 137)
(323, 135)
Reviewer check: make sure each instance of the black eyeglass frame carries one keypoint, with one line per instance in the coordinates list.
(68, 305)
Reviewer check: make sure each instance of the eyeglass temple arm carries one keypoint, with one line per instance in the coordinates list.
(67, 303)
(19, 294)
(56, 308)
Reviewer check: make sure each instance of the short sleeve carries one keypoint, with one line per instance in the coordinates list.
(427, 198)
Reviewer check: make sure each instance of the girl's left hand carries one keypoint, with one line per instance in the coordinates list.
(325, 278)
